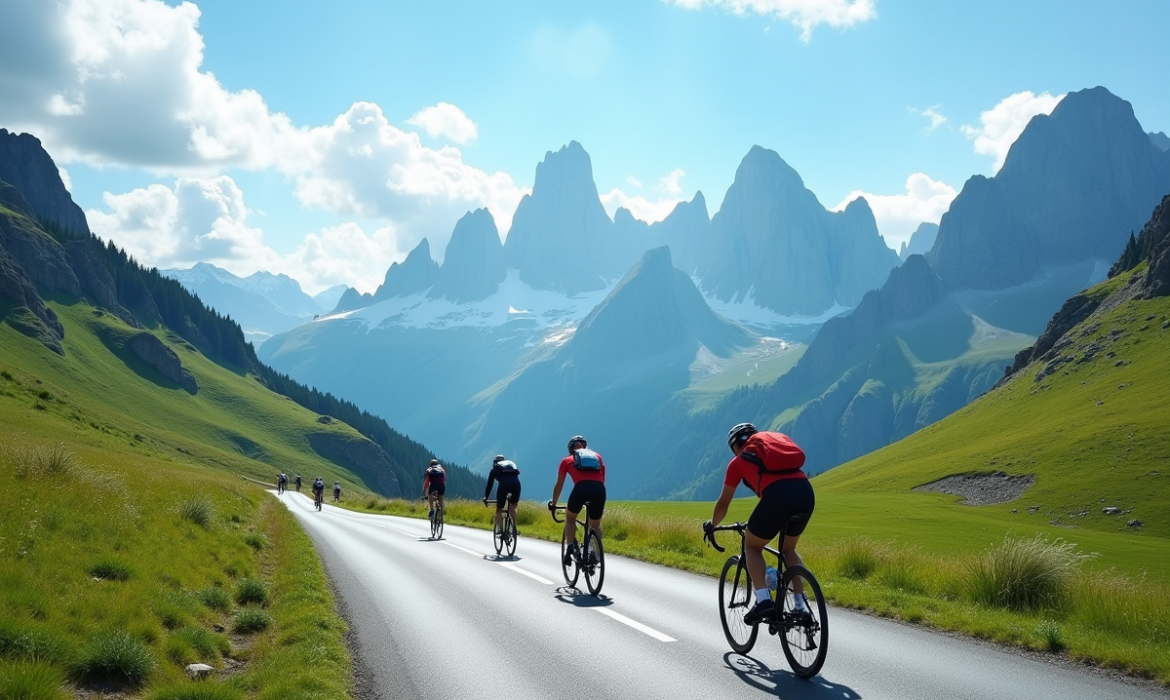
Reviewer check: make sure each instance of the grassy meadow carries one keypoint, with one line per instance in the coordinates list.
(131, 547)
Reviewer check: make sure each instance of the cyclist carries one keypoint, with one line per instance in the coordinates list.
(297, 481)
(434, 484)
(336, 491)
(769, 464)
(507, 474)
(281, 482)
(318, 489)
(588, 471)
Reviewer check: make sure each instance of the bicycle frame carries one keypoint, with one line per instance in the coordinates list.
(781, 562)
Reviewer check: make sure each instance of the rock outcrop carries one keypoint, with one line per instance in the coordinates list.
(26, 165)
(473, 266)
(147, 347)
(415, 274)
(920, 241)
(361, 456)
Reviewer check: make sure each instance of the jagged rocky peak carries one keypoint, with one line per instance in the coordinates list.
(920, 241)
(473, 265)
(415, 274)
(26, 165)
(685, 231)
(1073, 185)
(1161, 140)
(561, 238)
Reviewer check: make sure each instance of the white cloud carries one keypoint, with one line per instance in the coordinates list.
(634, 181)
(898, 215)
(581, 53)
(643, 209)
(119, 82)
(445, 120)
(936, 117)
(1001, 125)
(205, 219)
(669, 182)
(803, 14)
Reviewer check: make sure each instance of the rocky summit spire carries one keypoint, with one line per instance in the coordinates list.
(415, 274)
(26, 165)
(473, 265)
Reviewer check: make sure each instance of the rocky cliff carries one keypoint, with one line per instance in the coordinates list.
(920, 241)
(26, 165)
(473, 265)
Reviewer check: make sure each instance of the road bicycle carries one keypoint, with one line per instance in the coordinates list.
(804, 634)
(437, 520)
(504, 534)
(587, 558)
(317, 497)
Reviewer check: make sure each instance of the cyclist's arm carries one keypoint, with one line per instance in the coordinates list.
(557, 489)
(426, 483)
(720, 511)
(490, 482)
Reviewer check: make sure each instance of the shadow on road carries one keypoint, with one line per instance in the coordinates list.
(783, 683)
(581, 599)
(502, 557)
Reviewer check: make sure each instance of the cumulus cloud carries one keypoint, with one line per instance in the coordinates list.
(205, 219)
(897, 215)
(644, 208)
(670, 182)
(445, 120)
(1000, 126)
(579, 53)
(802, 14)
(119, 82)
(936, 117)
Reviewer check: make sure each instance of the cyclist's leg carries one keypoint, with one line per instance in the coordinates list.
(499, 516)
(596, 505)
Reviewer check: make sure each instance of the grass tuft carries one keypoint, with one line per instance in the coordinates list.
(41, 462)
(17, 642)
(858, 558)
(1025, 574)
(197, 509)
(1051, 635)
(114, 656)
(250, 590)
(196, 644)
(111, 570)
(35, 680)
(251, 620)
(256, 541)
(215, 598)
(197, 691)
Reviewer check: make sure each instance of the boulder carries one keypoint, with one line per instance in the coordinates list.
(154, 352)
(199, 672)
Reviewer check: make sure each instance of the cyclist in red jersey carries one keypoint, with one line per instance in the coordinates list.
(769, 464)
(588, 471)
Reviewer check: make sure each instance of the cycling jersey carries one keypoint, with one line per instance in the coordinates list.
(740, 469)
(436, 475)
(510, 477)
(568, 466)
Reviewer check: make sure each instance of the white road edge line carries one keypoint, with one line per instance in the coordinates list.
(649, 631)
(462, 549)
(529, 574)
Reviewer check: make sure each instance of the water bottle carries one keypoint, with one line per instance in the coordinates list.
(772, 578)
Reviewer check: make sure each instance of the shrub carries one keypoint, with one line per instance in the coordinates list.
(215, 598)
(251, 620)
(197, 691)
(191, 644)
(197, 509)
(1026, 575)
(858, 558)
(43, 461)
(6, 374)
(45, 396)
(115, 656)
(1050, 633)
(17, 642)
(256, 541)
(250, 590)
(30, 681)
(111, 570)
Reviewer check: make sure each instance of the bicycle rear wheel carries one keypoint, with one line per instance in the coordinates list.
(805, 636)
(510, 534)
(569, 565)
(735, 600)
(439, 519)
(498, 536)
(593, 558)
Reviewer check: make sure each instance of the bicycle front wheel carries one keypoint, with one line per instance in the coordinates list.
(735, 600)
(593, 557)
(569, 564)
(510, 534)
(806, 632)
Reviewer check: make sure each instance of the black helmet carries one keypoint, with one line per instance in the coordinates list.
(498, 459)
(576, 439)
(739, 434)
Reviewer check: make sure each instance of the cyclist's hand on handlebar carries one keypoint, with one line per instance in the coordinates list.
(551, 506)
(708, 528)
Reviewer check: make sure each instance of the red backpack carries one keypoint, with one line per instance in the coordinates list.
(772, 453)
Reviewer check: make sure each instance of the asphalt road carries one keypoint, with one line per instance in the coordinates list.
(446, 619)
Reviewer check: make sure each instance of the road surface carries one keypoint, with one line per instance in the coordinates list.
(446, 619)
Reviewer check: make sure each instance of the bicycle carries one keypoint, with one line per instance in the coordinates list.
(588, 558)
(504, 534)
(317, 497)
(804, 634)
(437, 520)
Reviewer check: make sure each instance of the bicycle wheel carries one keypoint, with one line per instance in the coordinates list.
(510, 534)
(570, 569)
(498, 536)
(434, 523)
(439, 520)
(735, 600)
(805, 634)
(593, 557)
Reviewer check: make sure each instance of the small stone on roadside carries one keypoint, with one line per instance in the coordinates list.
(1111, 510)
(199, 671)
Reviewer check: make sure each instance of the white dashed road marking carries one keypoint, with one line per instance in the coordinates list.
(650, 631)
(529, 574)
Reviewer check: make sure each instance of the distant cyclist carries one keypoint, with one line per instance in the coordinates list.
(281, 482)
(336, 491)
(297, 481)
(507, 475)
(588, 471)
(319, 489)
(769, 464)
(434, 485)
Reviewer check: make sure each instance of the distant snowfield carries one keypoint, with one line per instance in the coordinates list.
(539, 310)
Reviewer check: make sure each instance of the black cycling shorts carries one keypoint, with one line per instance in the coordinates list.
(590, 494)
(507, 491)
(785, 505)
(440, 488)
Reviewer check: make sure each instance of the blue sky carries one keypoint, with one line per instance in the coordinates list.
(650, 88)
